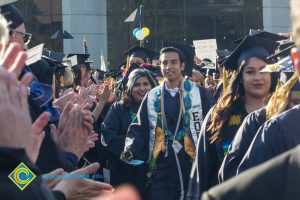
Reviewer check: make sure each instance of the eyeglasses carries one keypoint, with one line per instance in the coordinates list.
(26, 36)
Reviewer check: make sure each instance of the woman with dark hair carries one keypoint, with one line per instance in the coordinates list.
(81, 69)
(248, 90)
(284, 98)
(115, 125)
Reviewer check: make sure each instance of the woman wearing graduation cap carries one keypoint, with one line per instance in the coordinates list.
(115, 125)
(247, 91)
(284, 98)
(81, 69)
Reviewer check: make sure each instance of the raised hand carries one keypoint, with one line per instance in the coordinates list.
(81, 188)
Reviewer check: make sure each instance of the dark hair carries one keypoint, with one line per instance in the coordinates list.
(133, 77)
(232, 97)
(182, 57)
(77, 73)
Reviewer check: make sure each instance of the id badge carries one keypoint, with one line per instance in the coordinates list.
(176, 146)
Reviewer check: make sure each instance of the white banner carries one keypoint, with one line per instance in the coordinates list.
(206, 49)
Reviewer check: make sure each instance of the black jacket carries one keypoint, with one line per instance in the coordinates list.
(277, 179)
(275, 137)
(10, 159)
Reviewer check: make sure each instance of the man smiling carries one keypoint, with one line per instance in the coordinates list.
(167, 126)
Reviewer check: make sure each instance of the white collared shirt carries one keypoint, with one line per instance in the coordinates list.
(172, 91)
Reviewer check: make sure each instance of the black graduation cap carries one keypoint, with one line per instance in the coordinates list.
(123, 82)
(155, 56)
(57, 35)
(188, 51)
(154, 71)
(250, 47)
(61, 35)
(43, 71)
(57, 57)
(67, 35)
(12, 15)
(141, 52)
(77, 59)
(6, 2)
(285, 44)
(221, 61)
(283, 53)
(115, 72)
(264, 35)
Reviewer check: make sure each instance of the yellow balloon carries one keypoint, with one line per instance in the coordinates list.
(146, 31)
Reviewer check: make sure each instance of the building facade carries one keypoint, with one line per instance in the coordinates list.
(101, 22)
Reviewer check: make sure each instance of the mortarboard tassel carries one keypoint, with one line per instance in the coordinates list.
(224, 79)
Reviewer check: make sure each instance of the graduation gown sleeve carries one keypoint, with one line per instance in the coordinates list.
(241, 143)
(275, 137)
(114, 128)
(137, 139)
(276, 179)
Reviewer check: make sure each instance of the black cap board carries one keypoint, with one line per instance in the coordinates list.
(141, 52)
(12, 15)
(262, 34)
(283, 53)
(250, 47)
(77, 59)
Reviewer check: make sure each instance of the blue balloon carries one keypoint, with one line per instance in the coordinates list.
(135, 31)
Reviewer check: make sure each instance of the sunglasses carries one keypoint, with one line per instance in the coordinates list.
(26, 36)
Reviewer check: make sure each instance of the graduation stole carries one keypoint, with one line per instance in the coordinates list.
(190, 101)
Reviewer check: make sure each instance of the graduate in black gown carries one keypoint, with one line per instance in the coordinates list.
(284, 98)
(247, 90)
(115, 125)
(277, 179)
(276, 136)
(167, 125)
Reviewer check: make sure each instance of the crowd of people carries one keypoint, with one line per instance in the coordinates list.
(160, 126)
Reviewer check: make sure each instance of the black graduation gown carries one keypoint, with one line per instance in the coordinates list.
(275, 137)
(209, 155)
(241, 143)
(10, 159)
(165, 182)
(277, 179)
(114, 129)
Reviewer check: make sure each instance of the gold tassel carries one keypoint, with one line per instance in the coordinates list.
(159, 145)
(62, 81)
(127, 64)
(189, 147)
(224, 79)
